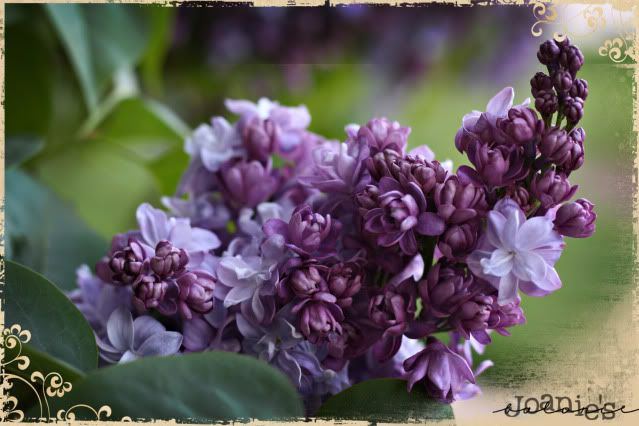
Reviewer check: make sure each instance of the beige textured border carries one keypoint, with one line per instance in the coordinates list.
(621, 350)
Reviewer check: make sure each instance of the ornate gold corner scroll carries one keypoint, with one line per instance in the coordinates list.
(43, 385)
(576, 21)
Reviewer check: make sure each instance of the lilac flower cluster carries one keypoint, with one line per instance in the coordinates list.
(337, 262)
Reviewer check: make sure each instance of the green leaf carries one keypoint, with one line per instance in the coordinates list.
(57, 327)
(20, 149)
(44, 232)
(206, 386)
(104, 182)
(29, 74)
(144, 126)
(99, 40)
(385, 400)
(161, 23)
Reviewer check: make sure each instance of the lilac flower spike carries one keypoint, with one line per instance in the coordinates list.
(518, 253)
(129, 339)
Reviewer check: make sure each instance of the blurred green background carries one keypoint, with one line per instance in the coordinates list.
(99, 99)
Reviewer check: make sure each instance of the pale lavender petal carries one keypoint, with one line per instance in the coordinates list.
(499, 105)
(144, 327)
(153, 224)
(120, 329)
(507, 289)
(165, 343)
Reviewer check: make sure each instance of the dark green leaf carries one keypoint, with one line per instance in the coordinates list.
(99, 40)
(104, 182)
(44, 233)
(28, 94)
(385, 400)
(20, 149)
(205, 386)
(57, 327)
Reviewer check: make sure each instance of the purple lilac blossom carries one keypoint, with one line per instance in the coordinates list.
(128, 339)
(518, 253)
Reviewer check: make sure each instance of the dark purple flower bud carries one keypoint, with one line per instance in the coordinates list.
(381, 134)
(443, 372)
(260, 137)
(579, 89)
(571, 58)
(307, 233)
(562, 81)
(548, 53)
(551, 188)
(458, 241)
(573, 109)
(521, 126)
(153, 293)
(575, 157)
(473, 315)
(383, 164)
(247, 183)
(444, 289)
(127, 265)
(457, 202)
(576, 219)
(356, 338)
(305, 281)
(520, 195)
(319, 320)
(555, 145)
(344, 281)
(500, 165)
(168, 260)
(540, 82)
(547, 102)
(392, 308)
(503, 316)
(196, 293)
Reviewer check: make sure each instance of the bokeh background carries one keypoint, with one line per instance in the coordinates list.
(99, 98)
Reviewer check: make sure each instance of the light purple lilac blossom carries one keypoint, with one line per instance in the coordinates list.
(334, 261)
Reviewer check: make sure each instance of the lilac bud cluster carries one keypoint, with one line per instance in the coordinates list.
(333, 261)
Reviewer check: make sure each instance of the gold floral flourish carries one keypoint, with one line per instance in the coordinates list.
(52, 385)
(544, 13)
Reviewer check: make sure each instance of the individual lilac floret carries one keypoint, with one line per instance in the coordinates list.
(394, 215)
(195, 293)
(168, 260)
(499, 166)
(129, 339)
(246, 279)
(308, 234)
(268, 127)
(459, 202)
(521, 126)
(393, 308)
(338, 171)
(380, 134)
(549, 52)
(96, 299)
(443, 372)
(540, 82)
(458, 241)
(463, 347)
(555, 145)
(156, 226)
(552, 188)
(518, 253)
(152, 292)
(480, 125)
(247, 183)
(579, 89)
(214, 145)
(573, 109)
(204, 211)
(547, 102)
(576, 219)
(127, 265)
(319, 317)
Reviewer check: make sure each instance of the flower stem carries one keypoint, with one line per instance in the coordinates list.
(428, 252)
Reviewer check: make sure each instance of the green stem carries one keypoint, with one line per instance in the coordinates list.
(560, 118)
(428, 252)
